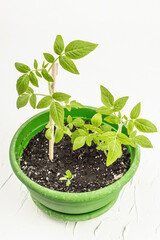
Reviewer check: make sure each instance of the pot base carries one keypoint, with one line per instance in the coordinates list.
(74, 217)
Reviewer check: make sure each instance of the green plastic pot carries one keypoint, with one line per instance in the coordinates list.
(62, 205)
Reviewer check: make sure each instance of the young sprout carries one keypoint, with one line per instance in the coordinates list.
(68, 177)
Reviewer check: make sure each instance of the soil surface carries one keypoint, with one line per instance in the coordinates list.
(87, 164)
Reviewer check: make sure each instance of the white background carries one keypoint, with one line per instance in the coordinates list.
(127, 62)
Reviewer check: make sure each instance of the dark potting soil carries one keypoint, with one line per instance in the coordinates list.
(87, 164)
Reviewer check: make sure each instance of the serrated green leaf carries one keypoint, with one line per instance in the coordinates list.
(133, 134)
(33, 101)
(22, 100)
(29, 90)
(78, 49)
(79, 142)
(96, 120)
(78, 122)
(69, 119)
(58, 45)
(135, 111)
(68, 107)
(38, 74)
(75, 104)
(106, 97)
(102, 146)
(22, 67)
(130, 126)
(71, 125)
(112, 119)
(68, 64)
(61, 97)
(107, 137)
(105, 128)
(33, 79)
(49, 57)
(104, 110)
(120, 103)
(46, 75)
(144, 125)
(83, 132)
(125, 140)
(75, 135)
(57, 114)
(89, 139)
(22, 84)
(114, 152)
(67, 131)
(143, 141)
(58, 135)
(49, 133)
(35, 64)
(45, 102)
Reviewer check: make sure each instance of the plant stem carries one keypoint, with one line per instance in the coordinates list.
(40, 94)
(52, 89)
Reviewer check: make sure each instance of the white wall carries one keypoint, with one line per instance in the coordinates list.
(127, 62)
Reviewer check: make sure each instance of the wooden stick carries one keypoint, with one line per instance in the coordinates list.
(51, 141)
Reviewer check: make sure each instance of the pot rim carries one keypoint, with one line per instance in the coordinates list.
(66, 196)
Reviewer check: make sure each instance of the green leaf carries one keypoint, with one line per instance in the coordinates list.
(57, 114)
(63, 178)
(78, 49)
(59, 45)
(68, 183)
(107, 137)
(75, 104)
(48, 125)
(79, 142)
(46, 65)
(78, 122)
(67, 131)
(105, 128)
(93, 128)
(33, 79)
(45, 102)
(89, 139)
(144, 125)
(96, 120)
(68, 107)
(33, 100)
(49, 57)
(61, 97)
(59, 135)
(22, 100)
(104, 110)
(143, 141)
(106, 97)
(68, 64)
(102, 146)
(69, 174)
(22, 84)
(29, 90)
(125, 140)
(135, 111)
(130, 126)
(75, 135)
(120, 103)
(49, 133)
(112, 119)
(46, 75)
(70, 125)
(133, 134)
(69, 119)
(38, 74)
(83, 132)
(22, 67)
(35, 64)
(114, 152)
